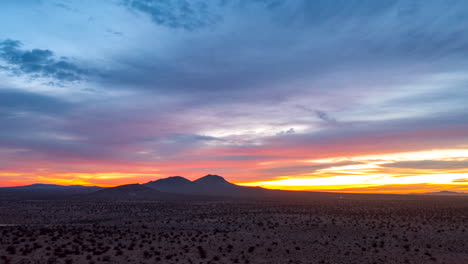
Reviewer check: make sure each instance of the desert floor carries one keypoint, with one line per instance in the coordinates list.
(329, 229)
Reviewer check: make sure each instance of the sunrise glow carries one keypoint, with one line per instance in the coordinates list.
(380, 173)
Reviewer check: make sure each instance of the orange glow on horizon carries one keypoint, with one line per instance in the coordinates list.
(383, 173)
(368, 183)
(372, 175)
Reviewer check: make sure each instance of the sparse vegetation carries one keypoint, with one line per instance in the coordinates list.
(320, 229)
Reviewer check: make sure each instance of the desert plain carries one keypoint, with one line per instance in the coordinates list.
(308, 228)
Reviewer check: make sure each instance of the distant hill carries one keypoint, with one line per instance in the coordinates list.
(126, 192)
(209, 185)
(41, 186)
(40, 191)
(174, 184)
(213, 180)
(444, 193)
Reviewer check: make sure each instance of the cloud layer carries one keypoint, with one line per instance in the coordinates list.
(249, 89)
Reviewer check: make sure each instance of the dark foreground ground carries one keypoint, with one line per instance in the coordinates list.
(317, 229)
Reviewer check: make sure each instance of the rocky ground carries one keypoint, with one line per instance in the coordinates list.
(339, 229)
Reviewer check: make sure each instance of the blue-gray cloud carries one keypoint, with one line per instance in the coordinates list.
(192, 14)
(13, 101)
(324, 116)
(184, 14)
(187, 138)
(386, 42)
(38, 63)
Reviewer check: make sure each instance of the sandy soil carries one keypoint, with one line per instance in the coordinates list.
(348, 229)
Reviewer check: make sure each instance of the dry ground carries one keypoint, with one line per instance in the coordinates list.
(340, 229)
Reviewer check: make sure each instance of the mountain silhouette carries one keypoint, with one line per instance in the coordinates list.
(172, 188)
(209, 185)
(126, 192)
(41, 191)
(42, 186)
(445, 193)
(213, 180)
(174, 184)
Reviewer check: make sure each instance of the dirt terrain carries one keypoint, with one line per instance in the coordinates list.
(313, 229)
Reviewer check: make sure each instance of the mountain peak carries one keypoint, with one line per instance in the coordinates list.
(170, 180)
(128, 186)
(175, 179)
(211, 179)
(40, 186)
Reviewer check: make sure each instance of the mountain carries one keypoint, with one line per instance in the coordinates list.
(171, 188)
(38, 186)
(42, 186)
(214, 180)
(445, 193)
(217, 185)
(174, 184)
(126, 192)
(209, 185)
(40, 191)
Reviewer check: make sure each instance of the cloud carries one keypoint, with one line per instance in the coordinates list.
(38, 63)
(429, 164)
(300, 52)
(324, 116)
(65, 7)
(35, 126)
(116, 33)
(187, 138)
(174, 144)
(408, 188)
(302, 169)
(31, 120)
(188, 15)
(14, 100)
(286, 132)
(461, 180)
(193, 14)
(244, 157)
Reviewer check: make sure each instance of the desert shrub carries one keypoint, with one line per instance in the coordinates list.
(202, 252)
(11, 250)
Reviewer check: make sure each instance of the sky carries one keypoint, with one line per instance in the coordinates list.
(329, 95)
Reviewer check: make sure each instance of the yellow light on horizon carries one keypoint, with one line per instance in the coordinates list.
(436, 154)
(352, 181)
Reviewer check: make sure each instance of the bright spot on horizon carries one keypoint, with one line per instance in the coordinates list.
(374, 173)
